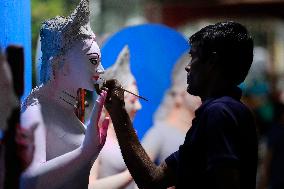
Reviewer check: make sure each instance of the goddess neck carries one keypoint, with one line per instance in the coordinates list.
(60, 94)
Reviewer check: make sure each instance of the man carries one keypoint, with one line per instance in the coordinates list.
(220, 149)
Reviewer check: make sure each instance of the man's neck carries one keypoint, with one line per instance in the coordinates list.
(219, 91)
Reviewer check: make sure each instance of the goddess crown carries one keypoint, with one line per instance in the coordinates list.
(59, 34)
(120, 70)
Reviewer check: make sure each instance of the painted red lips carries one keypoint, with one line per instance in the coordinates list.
(96, 77)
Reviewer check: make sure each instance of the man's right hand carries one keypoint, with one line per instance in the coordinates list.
(115, 99)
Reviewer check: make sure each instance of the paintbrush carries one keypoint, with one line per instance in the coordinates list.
(101, 82)
(134, 94)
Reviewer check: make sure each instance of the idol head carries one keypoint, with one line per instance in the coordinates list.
(176, 96)
(121, 71)
(177, 91)
(69, 48)
(221, 56)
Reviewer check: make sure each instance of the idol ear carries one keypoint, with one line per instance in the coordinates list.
(57, 63)
(65, 69)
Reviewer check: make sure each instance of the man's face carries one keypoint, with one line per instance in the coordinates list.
(197, 73)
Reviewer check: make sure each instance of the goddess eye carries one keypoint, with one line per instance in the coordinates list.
(94, 61)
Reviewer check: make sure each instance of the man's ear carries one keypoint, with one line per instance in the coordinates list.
(212, 61)
(217, 66)
(215, 57)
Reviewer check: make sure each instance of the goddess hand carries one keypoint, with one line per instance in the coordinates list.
(95, 136)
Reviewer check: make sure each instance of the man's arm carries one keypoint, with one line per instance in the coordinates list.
(145, 173)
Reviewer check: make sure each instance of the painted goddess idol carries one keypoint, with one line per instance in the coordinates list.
(65, 148)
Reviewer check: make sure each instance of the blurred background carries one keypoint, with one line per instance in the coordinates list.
(263, 88)
(263, 18)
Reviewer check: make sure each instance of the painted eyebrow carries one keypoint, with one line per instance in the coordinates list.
(93, 53)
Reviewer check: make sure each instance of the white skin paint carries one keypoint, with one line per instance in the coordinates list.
(64, 148)
(82, 66)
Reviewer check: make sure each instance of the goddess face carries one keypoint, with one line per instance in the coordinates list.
(132, 103)
(84, 61)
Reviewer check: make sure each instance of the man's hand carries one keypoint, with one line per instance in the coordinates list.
(115, 98)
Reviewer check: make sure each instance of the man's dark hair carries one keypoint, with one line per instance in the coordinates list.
(232, 44)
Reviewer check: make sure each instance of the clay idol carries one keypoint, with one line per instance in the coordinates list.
(65, 148)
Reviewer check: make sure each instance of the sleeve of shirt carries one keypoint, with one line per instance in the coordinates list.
(172, 160)
(221, 136)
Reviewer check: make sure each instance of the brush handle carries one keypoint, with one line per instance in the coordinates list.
(101, 81)
(134, 94)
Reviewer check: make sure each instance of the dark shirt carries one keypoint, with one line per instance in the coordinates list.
(223, 133)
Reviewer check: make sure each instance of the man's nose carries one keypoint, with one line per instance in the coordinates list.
(187, 68)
